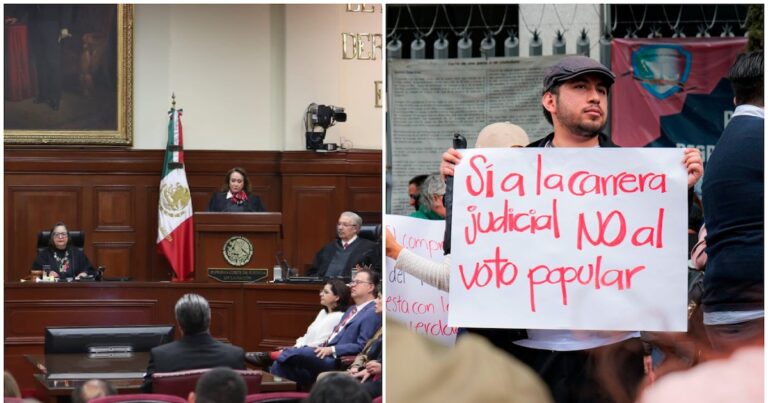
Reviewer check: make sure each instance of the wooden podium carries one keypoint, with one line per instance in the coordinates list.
(214, 232)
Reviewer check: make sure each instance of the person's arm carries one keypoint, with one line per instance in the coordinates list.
(451, 157)
(318, 262)
(433, 273)
(368, 326)
(146, 387)
(692, 161)
(212, 203)
(257, 206)
(699, 251)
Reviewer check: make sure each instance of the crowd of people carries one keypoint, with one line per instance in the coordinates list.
(340, 357)
(600, 366)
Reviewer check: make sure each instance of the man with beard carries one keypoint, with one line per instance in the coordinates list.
(576, 365)
(337, 258)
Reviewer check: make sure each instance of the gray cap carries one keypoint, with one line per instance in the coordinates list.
(572, 66)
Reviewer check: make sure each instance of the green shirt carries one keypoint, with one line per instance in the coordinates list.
(425, 213)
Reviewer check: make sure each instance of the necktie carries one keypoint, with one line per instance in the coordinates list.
(346, 244)
(341, 324)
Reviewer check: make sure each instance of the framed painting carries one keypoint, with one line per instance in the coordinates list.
(68, 74)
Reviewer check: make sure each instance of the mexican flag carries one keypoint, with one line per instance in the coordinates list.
(175, 230)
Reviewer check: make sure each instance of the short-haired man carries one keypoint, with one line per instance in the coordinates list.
(575, 102)
(92, 389)
(337, 258)
(733, 192)
(431, 199)
(219, 385)
(414, 189)
(356, 327)
(197, 348)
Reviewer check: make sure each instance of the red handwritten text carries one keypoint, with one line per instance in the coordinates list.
(507, 220)
(620, 278)
(484, 175)
(495, 267)
(648, 235)
(582, 183)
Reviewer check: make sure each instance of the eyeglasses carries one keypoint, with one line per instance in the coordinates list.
(356, 282)
(343, 224)
(60, 234)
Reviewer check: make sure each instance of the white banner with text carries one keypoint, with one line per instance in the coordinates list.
(423, 308)
(570, 238)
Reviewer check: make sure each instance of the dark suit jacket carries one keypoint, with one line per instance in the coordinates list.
(192, 352)
(357, 331)
(78, 262)
(360, 249)
(351, 339)
(219, 202)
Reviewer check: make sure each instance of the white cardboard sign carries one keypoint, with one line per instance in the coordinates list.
(423, 308)
(567, 238)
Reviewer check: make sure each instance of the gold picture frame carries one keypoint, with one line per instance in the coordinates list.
(95, 97)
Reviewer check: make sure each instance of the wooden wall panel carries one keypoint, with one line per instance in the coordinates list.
(33, 209)
(117, 257)
(114, 208)
(112, 194)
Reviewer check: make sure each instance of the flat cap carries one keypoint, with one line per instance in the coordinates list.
(572, 66)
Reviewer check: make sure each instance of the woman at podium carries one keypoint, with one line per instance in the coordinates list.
(61, 259)
(235, 195)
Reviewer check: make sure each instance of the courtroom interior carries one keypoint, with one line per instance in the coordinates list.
(185, 158)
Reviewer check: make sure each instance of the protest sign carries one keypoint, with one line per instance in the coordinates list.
(564, 238)
(423, 308)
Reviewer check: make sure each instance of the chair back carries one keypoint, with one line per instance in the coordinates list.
(140, 398)
(76, 238)
(371, 232)
(180, 383)
(277, 397)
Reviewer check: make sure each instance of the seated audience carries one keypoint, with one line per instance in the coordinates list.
(431, 199)
(61, 258)
(357, 326)
(10, 386)
(367, 364)
(337, 388)
(334, 297)
(219, 385)
(339, 257)
(92, 389)
(235, 195)
(414, 189)
(197, 348)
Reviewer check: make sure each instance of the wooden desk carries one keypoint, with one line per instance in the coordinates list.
(257, 317)
(61, 373)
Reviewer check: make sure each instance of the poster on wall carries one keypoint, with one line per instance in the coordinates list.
(672, 92)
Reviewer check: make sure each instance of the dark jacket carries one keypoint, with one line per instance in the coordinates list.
(219, 202)
(78, 263)
(195, 351)
(733, 192)
(363, 252)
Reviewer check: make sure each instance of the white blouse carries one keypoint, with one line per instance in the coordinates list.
(319, 331)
